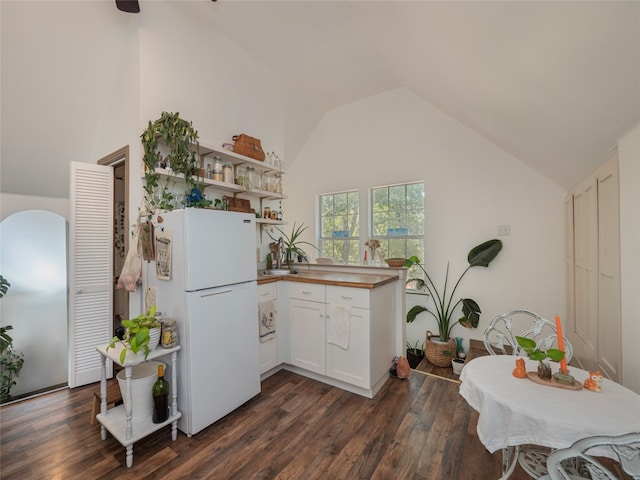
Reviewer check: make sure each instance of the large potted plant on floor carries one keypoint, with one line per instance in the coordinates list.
(441, 349)
(10, 361)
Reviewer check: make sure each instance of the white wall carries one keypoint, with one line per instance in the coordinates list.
(69, 90)
(629, 165)
(471, 187)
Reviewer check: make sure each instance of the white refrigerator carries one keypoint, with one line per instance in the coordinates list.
(212, 295)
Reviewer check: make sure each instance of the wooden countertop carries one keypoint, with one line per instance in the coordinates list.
(339, 279)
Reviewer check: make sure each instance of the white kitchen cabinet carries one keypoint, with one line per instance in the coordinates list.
(119, 420)
(366, 361)
(269, 344)
(307, 348)
(352, 365)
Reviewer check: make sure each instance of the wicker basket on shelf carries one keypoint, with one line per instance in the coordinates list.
(439, 353)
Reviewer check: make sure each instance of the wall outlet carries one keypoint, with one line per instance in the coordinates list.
(504, 230)
(257, 254)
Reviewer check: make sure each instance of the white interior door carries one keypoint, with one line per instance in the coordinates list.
(90, 269)
(609, 317)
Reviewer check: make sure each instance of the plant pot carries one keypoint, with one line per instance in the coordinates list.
(544, 370)
(143, 376)
(414, 358)
(439, 353)
(154, 337)
(457, 364)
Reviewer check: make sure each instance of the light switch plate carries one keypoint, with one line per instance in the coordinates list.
(504, 230)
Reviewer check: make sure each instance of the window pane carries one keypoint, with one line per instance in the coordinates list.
(340, 221)
(397, 219)
(340, 202)
(326, 205)
(380, 199)
(397, 198)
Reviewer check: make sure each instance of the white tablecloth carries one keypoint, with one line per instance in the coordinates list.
(515, 411)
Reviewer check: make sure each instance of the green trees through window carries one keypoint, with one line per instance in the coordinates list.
(396, 219)
(340, 227)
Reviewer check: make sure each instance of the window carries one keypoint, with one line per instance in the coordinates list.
(397, 220)
(340, 226)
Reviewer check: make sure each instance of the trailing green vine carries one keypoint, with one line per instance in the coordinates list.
(183, 143)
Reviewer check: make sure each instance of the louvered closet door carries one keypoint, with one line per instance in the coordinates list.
(90, 269)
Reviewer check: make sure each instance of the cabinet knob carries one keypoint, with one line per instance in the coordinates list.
(345, 297)
(306, 292)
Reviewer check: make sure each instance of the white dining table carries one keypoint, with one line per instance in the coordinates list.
(518, 411)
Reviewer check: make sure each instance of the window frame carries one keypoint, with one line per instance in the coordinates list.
(356, 240)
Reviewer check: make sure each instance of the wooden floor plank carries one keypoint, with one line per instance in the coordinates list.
(296, 428)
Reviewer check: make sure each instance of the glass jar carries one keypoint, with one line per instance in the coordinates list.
(251, 177)
(217, 174)
(242, 177)
(267, 183)
(169, 334)
(277, 181)
(227, 172)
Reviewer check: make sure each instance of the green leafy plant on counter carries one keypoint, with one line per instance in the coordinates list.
(479, 256)
(136, 334)
(292, 244)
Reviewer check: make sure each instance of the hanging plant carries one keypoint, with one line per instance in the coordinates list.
(182, 141)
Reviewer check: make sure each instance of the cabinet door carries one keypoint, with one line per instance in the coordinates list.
(268, 353)
(268, 344)
(352, 365)
(307, 335)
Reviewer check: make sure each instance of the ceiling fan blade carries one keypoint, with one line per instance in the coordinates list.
(129, 6)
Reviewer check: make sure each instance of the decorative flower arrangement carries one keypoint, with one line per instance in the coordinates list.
(373, 245)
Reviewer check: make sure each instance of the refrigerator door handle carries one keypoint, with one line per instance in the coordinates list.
(215, 293)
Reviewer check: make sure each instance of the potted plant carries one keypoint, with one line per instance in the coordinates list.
(10, 361)
(182, 140)
(534, 353)
(141, 333)
(291, 243)
(415, 353)
(441, 353)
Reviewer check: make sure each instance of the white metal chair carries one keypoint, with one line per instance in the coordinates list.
(500, 335)
(577, 462)
(500, 338)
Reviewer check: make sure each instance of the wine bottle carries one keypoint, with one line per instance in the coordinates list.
(160, 397)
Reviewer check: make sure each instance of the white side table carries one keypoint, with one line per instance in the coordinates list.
(118, 420)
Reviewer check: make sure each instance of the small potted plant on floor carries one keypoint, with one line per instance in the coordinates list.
(440, 349)
(415, 353)
(141, 334)
(10, 361)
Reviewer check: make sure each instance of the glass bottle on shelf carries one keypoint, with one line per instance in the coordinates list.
(160, 392)
(217, 169)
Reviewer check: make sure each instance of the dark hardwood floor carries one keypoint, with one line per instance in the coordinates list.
(296, 428)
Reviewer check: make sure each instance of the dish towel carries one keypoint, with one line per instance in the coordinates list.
(338, 325)
(267, 319)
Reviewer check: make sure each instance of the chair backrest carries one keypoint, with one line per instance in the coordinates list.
(565, 463)
(500, 335)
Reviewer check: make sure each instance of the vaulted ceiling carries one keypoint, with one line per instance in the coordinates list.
(553, 83)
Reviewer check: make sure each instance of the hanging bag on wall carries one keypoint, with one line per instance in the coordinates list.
(131, 275)
(248, 146)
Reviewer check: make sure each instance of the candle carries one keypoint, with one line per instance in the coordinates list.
(563, 362)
